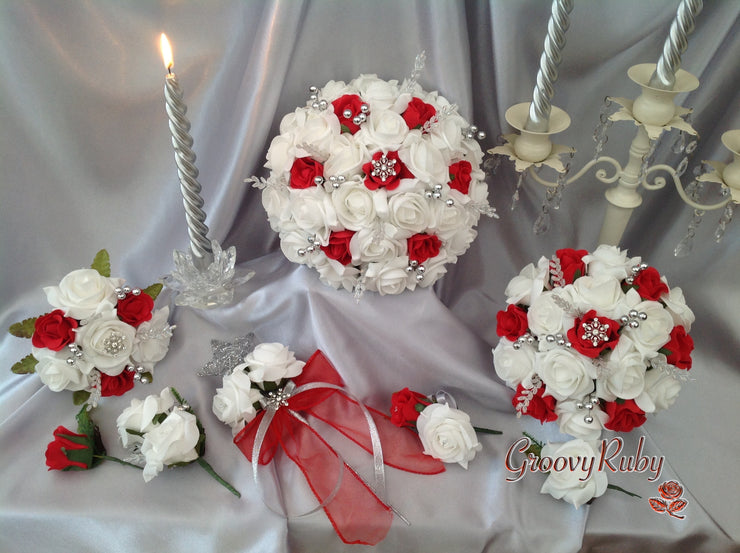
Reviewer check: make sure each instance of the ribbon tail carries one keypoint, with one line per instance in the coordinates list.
(402, 448)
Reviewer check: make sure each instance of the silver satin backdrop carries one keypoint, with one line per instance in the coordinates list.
(86, 163)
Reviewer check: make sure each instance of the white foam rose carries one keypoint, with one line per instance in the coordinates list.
(372, 244)
(625, 378)
(276, 202)
(354, 205)
(435, 267)
(315, 132)
(610, 261)
(314, 212)
(675, 304)
(566, 373)
(379, 94)
(346, 158)
(545, 316)
(447, 434)
(234, 402)
(390, 277)
(513, 366)
(335, 89)
(271, 362)
(447, 135)
(572, 420)
(107, 343)
(173, 441)
(81, 293)
(410, 212)
(654, 332)
(528, 284)
(450, 220)
(602, 293)
(384, 130)
(334, 273)
(139, 415)
(152, 339)
(573, 486)
(423, 159)
(57, 374)
(661, 391)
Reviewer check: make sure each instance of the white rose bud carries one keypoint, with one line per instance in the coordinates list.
(81, 293)
(234, 402)
(577, 486)
(566, 373)
(107, 343)
(173, 441)
(447, 434)
(152, 340)
(58, 374)
(513, 365)
(139, 415)
(271, 362)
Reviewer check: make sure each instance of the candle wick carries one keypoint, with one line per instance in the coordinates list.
(169, 70)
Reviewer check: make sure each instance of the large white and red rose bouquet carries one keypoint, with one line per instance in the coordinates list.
(593, 341)
(376, 185)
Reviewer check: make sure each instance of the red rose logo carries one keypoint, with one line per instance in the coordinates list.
(460, 176)
(116, 385)
(670, 501)
(338, 247)
(678, 350)
(304, 171)
(670, 489)
(54, 331)
(68, 451)
(592, 334)
(135, 310)
(385, 170)
(624, 416)
(418, 113)
(571, 263)
(540, 406)
(512, 323)
(404, 411)
(423, 246)
(345, 108)
(649, 285)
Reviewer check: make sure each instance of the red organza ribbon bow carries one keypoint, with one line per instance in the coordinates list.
(356, 512)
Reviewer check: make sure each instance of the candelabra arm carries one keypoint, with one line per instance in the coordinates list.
(659, 182)
(601, 174)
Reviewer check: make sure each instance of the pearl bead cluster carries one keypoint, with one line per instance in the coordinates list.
(124, 291)
(76, 352)
(335, 180)
(633, 318)
(636, 270)
(589, 404)
(139, 374)
(436, 194)
(316, 102)
(313, 245)
(473, 132)
(418, 268)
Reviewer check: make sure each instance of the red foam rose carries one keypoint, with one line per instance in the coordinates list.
(338, 246)
(135, 310)
(423, 246)
(351, 102)
(460, 176)
(541, 407)
(417, 113)
(649, 285)
(585, 346)
(399, 171)
(58, 451)
(116, 385)
(571, 263)
(623, 416)
(304, 172)
(403, 407)
(54, 331)
(512, 323)
(679, 348)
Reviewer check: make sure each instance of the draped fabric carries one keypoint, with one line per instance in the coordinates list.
(87, 163)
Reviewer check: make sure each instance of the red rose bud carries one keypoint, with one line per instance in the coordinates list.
(623, 416)
(54, 331)
(460, 176)
(116, 385)
(417, 113)
(69, 451)
(679, 348)
(571, 263)
(592, 334)
(304, 171)
(423, 246)
(346, 108)
(649, 285)
(404, 410)
(540, 406)
(512, 323)
(135, 310)
(385, 170)
(338, 246)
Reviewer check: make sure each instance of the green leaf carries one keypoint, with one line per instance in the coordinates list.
(27, 365)
(159, 418)
(617, 488)
(345, 128)
(101, 263)
(80, 397)
(23, 329)
(153, 290)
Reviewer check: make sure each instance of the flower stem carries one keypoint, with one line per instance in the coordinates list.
(486, 430)
(117, 460)
(614, 487)
(209, 469)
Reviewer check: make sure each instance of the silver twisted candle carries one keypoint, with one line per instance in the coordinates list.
(185, 159)
(539, 111)
(675, 45)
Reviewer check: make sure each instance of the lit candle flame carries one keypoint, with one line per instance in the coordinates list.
(164, 45)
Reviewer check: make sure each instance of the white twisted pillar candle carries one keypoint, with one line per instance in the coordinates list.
(675, 45)
(185, 159)
(539, 111)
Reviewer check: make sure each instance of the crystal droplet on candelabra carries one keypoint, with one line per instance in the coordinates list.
(542, 223)
(515, 197)
(681, 169)
(679, 145)
(724, 221)
(600, 132)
